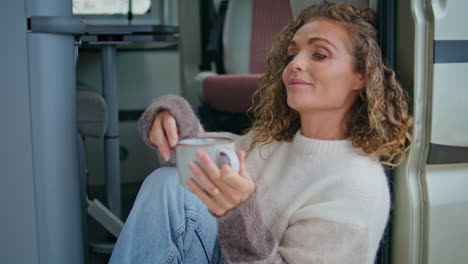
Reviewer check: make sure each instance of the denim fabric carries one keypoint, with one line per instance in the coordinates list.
(167, 224)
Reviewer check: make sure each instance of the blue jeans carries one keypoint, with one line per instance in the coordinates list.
(167, 224)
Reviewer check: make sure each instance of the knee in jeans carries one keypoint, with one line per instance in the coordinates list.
(162, 178)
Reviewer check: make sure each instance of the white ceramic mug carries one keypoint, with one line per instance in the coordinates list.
(221, 150)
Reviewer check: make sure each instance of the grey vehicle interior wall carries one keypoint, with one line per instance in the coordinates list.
(40, 186)
(54, 137)
(18, 236)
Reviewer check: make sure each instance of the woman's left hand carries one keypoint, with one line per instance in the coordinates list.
(221, 189)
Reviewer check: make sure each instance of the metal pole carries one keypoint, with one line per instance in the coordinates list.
(111, 140)
(18, 228)
(163, 12)
(52, 85)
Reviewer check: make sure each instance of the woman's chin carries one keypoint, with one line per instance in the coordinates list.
(294, 104)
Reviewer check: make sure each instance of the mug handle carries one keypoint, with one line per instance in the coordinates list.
(231, 158)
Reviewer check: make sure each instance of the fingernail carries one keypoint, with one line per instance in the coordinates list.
(191, 164)
(189, 183)
(201, 153)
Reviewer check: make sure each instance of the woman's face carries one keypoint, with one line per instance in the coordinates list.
(320, 76)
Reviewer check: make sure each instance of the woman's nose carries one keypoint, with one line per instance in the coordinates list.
(297, 63)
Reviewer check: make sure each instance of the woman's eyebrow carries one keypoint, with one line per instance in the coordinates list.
(312, 40)
(315, 39)
(292, 43)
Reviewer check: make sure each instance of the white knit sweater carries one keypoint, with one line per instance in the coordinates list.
(317, 201)
(323, 200)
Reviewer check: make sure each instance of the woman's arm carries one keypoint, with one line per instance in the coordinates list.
(245, 238)
(187, 122)
(344, 227)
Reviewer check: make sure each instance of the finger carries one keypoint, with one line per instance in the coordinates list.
(158, 137)
(240, 187)
(170, 128)
(203, 179)
(220, 193)
(232, 178)
(214, 172)
(154, 126)
(206, 199)
(242, 169)
(242, 182)
(209, 165)
(231, 181)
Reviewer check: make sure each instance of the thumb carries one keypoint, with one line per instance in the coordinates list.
(243, 170)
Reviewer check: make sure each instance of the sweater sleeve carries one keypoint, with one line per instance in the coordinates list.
(332, 231)
(245, 238)
(322, 239)
(188, 124)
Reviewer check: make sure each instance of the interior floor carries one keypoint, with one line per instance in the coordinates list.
(96, 233)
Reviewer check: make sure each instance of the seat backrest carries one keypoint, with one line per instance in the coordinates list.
(298, 5)
(269, 18)
(251, 26)
(249, 29)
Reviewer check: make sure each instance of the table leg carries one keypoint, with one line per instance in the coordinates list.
(111, 139)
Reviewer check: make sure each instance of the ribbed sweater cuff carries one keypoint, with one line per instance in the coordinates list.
(243, 235)
(187, 122)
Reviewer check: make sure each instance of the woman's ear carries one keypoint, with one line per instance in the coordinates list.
(360, 81)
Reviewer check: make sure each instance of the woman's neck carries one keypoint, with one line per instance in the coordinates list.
(326, 126)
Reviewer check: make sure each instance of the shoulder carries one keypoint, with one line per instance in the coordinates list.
(360, 176)
(356, 192)
(357, 163)
(360, 164)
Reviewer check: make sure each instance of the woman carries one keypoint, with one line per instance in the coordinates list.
(311, 188)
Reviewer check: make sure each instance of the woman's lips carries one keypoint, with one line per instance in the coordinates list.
(297, 82)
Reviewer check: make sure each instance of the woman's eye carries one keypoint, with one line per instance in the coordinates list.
(290, 58)
(319, 56)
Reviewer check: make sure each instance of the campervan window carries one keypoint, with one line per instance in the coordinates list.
(143, 12)
(110, 7)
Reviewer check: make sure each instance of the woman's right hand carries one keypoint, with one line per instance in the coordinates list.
(164, 134)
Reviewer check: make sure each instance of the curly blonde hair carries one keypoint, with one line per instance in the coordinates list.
(378, 122)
